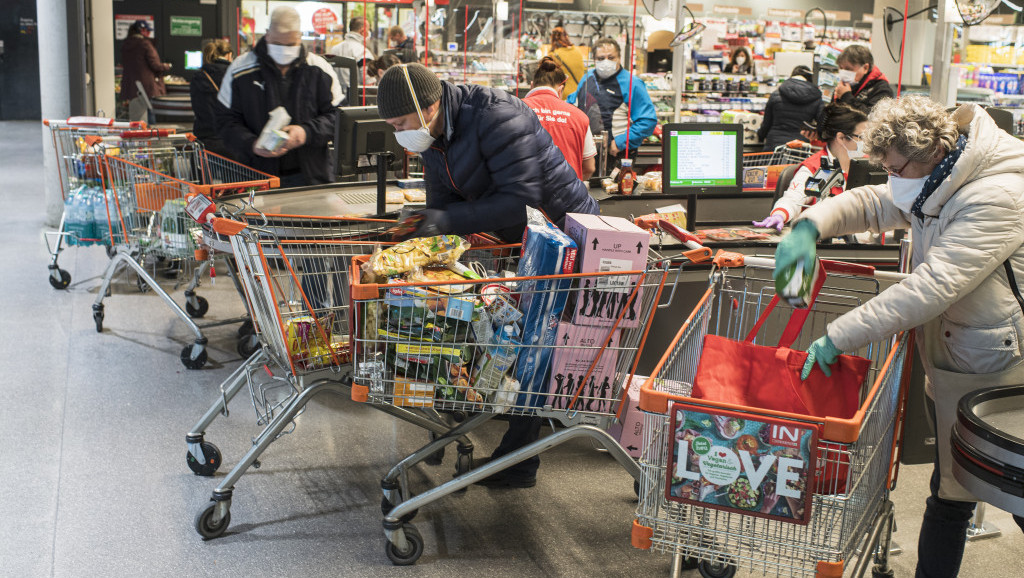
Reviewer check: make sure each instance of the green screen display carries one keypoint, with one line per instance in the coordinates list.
(702, 158)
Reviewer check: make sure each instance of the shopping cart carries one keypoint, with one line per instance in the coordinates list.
(762, 170)
(294, 271)
(855, 461)
(570, 372)
(79, 171)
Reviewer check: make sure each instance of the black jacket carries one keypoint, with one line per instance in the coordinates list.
(203, 90)
(493, 160)
(871, 89)
(252, 87)
(794, 102)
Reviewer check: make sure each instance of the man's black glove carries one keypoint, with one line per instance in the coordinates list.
(428, 223)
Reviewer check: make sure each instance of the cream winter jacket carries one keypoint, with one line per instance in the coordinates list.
(973, 223)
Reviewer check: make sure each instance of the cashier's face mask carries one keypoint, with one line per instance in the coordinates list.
(417, 140)
(905, 191)
(283, 55)
(605, 68)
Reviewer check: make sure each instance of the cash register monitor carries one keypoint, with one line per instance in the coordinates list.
(193, 59)
(702, 158)
(862, 172)
(359, 133)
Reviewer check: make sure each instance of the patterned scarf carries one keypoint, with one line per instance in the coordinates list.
(938, 175)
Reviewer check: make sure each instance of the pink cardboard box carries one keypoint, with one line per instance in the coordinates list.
(570, 363)
(630, 430)
(607, 244)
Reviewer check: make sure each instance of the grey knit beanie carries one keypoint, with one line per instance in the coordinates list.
(393, 96)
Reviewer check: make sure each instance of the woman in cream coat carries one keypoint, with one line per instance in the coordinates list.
(957, 181)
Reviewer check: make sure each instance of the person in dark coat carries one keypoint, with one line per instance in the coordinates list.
(861, 84)
(796, 101)
(140, 62)
(280, 72)
(485, 154)
(486, 157)
(203, 91)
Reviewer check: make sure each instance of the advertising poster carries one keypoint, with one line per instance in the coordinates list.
(123, 21)
(729, 461)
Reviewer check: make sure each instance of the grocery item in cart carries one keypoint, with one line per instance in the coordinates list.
(308, 342)
(418, 252)
(496, 358)
(795, 285)
(607, 244)
(546, 251)
(577, 348)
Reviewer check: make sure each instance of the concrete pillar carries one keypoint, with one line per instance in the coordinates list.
(102, 37)
(55, 102)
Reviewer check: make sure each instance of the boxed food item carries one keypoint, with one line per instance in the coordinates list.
(409, 393)
(577, 348)
(272, 137)
(546, 251)
(607, 244)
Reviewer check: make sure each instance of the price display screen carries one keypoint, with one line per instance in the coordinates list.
(703, 158)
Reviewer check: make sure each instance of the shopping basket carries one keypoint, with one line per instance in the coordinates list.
(762, 170)
(459, 366)
(734, 524)
(294, 272)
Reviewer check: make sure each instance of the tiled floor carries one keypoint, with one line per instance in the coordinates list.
(93, 475)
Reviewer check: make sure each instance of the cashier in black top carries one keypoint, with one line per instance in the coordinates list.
(841, 127)
(486, 158)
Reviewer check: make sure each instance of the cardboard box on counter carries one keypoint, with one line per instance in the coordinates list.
(607, 244)
(576, 347)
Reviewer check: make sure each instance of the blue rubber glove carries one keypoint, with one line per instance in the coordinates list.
(824, 353)
(798, 245)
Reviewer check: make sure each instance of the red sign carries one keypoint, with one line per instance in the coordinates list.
(324, 20)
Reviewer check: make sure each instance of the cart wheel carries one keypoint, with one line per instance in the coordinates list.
(386, 506)
(463, 463)
(141, 284)
(111, 251)
(436, 458)
(716, 569)
(413, 550)
(878, 572)
(246, 328)
(247, 345)
(207, 468)
(97, 316)
(205, 525)
(199, 311)
(689, 563)
(187, 361)
(63, 282)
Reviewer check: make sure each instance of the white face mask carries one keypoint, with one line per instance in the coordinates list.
(605, 68)
(905, 191)
(284, 55)
(741, 60)
(416, 140)
(857, 153)
(847, 76)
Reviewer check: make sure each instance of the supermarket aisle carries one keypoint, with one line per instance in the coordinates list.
(95, 484)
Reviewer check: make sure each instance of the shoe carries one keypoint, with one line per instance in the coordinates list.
(508, 479)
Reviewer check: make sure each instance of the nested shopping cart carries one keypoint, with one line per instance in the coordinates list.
(763, 529)
(147, 222)
(433, 345)
(294, 270)
(763, 170)
(79, 172)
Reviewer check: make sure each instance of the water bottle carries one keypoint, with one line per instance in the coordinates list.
(71, 217)
(87, 214)
(101, 209)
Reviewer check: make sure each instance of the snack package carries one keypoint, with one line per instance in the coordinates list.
(651, 181)
(438, 275)
(546, 251)
(499, 304)
(306, 344)
(418, 252)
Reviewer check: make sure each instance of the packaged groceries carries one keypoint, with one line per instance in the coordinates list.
(418, 252)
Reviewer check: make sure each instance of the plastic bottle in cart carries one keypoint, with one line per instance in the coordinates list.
(627, 177)
(102, 206)
(88, 203)
(495, 360)
(73, 216)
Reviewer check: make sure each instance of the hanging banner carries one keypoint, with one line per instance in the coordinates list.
(784, 13)
(732, 10)
(124, 21)
(837, 16)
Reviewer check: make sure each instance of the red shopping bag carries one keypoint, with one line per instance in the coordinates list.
(765, 377)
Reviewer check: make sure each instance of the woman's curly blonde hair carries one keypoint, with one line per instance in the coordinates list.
(914, 126)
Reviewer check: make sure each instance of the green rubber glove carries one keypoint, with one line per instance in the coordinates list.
(799, 244)
(824, 353)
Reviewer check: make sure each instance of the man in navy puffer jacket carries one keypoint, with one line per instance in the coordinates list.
(485, 155)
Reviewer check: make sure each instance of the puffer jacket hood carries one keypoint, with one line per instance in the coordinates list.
(973, 224)
(798, 91)
(493, 160)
